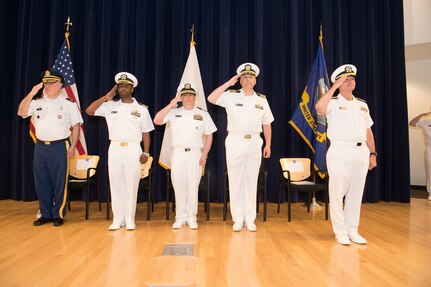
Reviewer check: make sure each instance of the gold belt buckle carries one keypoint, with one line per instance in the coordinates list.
(124, 144)
(187, 149)
(247, 136)
(47, 142)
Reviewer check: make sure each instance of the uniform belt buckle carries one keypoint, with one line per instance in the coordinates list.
(187, 149)
(358, 144)
(247, 136)
(47, 142)
(124, 144)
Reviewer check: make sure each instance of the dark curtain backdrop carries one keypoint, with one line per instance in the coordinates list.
(151, 40)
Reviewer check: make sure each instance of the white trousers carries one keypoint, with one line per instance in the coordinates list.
(186, 174)
(428, 167)
(243, 157)
(347, 166)
(124, 174)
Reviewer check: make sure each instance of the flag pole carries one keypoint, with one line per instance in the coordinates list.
(192, 41)
(314, 204)
(66, 34)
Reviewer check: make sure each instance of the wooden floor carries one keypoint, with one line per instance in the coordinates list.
(300, 253)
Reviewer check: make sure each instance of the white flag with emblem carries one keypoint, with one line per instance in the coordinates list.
(191, 74)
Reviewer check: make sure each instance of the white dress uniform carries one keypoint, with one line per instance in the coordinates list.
(126, 123)
(347, 161)
(425, 124)
(246, 115)
(187, 129)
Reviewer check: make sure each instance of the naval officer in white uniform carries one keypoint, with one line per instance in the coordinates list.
(129, 123)
(191, 130)
(351, 153)
(248, 113)
(424, 121)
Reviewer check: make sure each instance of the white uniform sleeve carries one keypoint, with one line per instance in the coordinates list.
(30, 110)
(168, 116)
(423, 123)
(75, 114)
(209, 125)
(329, 107)
(146, 122)
(368, 118)
(101, 111)
(268, 118)
(222, 100)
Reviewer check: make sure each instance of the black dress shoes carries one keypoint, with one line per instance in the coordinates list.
(41, 221)
(58, 221)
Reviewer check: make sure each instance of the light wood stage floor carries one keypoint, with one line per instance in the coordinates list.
(300, 253)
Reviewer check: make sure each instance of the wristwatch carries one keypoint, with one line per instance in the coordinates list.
(146, 154)
(373, 153)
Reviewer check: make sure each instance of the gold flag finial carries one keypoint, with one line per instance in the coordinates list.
(66, 34)
(68, 24)
(321, 32)
(192, 41)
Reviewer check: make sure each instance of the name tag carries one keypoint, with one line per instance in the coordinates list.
(38, 109)
(114, 112)
(239, 105)
(178, 116)
(343, 108)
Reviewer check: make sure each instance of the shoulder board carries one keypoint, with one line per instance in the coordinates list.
(261, 95)
(145, 106)
(70, 100)
(37, 97)
(334, 98)
(361, 100)
(114, 100)
(234, 91)
(201, 109)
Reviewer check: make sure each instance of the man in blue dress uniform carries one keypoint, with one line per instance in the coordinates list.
(56, 117)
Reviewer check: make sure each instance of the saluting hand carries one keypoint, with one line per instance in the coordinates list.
(36, 89)
(339, 82)
(174, 102)
(111, 94)
(233, 80)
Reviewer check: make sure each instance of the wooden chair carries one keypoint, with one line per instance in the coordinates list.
(204, 186)
(295, 176)
(83, 176)
(261, 190)
(146, 184)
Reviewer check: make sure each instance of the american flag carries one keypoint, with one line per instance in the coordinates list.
(63, 65)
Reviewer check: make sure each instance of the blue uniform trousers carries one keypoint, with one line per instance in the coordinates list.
(51, 169)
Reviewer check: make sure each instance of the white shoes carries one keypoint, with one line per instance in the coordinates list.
(358, 239)
(192, 224)
(115, 226)
(130, 226)
(251, 226)
(237, 226)
(178, 224)
(343, 239)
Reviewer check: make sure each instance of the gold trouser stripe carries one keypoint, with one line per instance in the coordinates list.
(63, 204)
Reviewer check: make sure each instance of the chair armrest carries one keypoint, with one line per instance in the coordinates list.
(89, 170)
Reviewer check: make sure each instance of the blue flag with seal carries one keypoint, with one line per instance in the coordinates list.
(305, 120)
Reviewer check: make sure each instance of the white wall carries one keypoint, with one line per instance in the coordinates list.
(419, 101)
(417, 24)
(417, 21)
